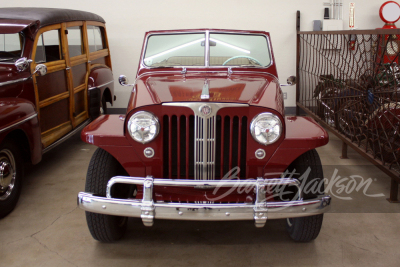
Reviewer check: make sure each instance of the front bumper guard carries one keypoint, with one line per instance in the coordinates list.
(147, 210)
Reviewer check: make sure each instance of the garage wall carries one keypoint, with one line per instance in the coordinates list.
(127, 21)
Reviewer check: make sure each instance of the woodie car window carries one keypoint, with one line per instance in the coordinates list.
(48, 47)
(74, 37)
(95, 38)
(10, 46)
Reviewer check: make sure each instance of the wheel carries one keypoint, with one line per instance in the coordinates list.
(102, 167)
(11, 173)
(305, 229)
(103, 107)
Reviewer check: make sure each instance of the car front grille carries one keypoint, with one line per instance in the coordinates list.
(204, 147)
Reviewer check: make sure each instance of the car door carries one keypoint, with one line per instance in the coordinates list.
(53, 89)
(78, 60)
(61, 95)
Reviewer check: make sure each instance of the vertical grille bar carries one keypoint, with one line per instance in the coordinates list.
(243, 147)
(231, 143)
(187, 147)
(239, 131)
(222, 146)
(178, 126)
(166, 146)
(170, 147)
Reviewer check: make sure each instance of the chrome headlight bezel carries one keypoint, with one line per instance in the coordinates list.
(145, 115)
(266, 116)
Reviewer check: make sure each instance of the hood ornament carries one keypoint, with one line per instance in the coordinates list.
(205, 94)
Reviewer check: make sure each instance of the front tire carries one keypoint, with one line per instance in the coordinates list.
(305, 229)
(11, 173)
(102, 167)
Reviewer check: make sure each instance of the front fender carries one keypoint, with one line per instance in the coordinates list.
(107, 132)
(19, 114)
(302, 135)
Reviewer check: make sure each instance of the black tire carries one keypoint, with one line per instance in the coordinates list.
(305, 229)
(102, 167)
(103, 106)
(11, 164)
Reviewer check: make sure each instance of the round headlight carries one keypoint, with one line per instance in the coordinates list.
(143, 126)
(266, 128)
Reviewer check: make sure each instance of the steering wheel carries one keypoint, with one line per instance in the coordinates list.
(250, 58)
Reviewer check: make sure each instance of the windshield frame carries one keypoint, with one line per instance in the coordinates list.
(207, 50)
(12, 61)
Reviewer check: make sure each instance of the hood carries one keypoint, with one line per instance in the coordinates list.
(262, 90)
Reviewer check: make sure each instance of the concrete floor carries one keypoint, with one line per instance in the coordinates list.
(47, 228)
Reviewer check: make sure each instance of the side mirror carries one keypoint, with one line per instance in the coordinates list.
(22, 64)
(123, 81)
(290, 81)
(41, 70)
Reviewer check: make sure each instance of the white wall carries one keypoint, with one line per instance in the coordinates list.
(127, 21)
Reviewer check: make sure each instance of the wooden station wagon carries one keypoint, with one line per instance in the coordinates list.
(205, 137)
(55, 76)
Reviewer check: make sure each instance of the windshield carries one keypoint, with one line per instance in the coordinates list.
(10, 46)
(226, 49)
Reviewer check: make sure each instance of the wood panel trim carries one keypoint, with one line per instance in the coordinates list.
(53, 99)
(79, 88)
(56, 68)
(74, 23)
(77, 60)
(52, 135)
(95, 23)
(33, 64)
(81, 117)
(70, 83)
(85, 37)
(98, 54)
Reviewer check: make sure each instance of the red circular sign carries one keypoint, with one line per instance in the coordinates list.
(390, 12)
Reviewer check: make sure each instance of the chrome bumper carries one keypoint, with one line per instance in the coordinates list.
(148, 210)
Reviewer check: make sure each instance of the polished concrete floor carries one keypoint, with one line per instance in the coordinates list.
(47, 228)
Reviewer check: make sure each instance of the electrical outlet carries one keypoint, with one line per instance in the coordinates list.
(284, 95)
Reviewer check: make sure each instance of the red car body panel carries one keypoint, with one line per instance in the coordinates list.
(257, 89)
(20, 114)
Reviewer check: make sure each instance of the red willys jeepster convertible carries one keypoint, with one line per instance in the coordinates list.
(55, 76)
(205, 137)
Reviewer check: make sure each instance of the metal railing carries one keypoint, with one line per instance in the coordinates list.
(349, 81)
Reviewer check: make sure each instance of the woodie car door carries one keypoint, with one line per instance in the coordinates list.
(61, 94)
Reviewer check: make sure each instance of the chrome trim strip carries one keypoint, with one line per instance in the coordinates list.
(18, 123)
(148, 210)
(65, 137)
(98, 86)
(207, 50)
(15, 81)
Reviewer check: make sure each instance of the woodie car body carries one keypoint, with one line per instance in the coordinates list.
(55, 76)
